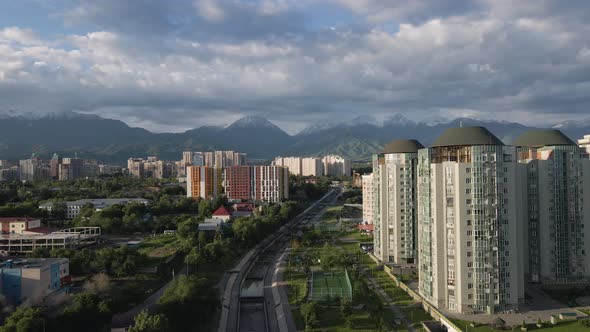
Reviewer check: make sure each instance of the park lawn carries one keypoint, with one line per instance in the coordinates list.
(357, 235)
(571, 326)
(158, 249)
(416, 314)
(332, 213)
(331, 319)
(297, 287)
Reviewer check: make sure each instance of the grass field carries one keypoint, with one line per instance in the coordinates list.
(330, 284)
(158, 249)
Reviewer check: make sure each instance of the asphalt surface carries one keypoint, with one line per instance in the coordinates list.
(273, 304)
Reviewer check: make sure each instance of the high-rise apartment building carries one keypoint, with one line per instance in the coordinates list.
(135, 167)
(71, 168)
(468, 223)
(368, 201)
(151, 168)
(292, 163)
(54, 166)
(394, 212)
(263, 183)
(554, 178)
(311, 166)
(238, 182)
(187, 157)
(34, 169)
(336, 166)
(203, 181)
(306, 166)
(584, 144)
(217, 159)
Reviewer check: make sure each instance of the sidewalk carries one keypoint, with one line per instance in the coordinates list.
(388, 300)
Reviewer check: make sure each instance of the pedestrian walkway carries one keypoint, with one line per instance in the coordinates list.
(388, 300)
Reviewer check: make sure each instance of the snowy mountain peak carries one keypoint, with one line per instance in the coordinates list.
(252, 121)
(398, 119)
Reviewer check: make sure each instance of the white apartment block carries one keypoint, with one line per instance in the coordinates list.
(554, 178)
(336, 166)
(468, 223)
(305, 166)
(368, 195)
(292, 163)
(270, 183)
(311, 166)
(394, 189)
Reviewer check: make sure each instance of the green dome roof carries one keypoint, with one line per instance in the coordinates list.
(403, 146)
(466, 136)
(543, 137)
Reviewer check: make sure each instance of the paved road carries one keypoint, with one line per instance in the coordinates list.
(280, 293)
(231, 296)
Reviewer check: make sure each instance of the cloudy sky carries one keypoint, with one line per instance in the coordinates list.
(174, 65)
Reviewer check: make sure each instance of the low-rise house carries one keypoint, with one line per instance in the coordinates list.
(34, 279)
(211, 225)
(73, 208)
(20, 225)
(222, 213)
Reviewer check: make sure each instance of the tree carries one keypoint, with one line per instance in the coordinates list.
(213, 251)
(205, 209)
(39, 252)
(188, 301)
(144, 322)
(59, 211)
(187, 232)
(194, 258)
(86, 310)
(310, 315)
(202, 239)
(23, 319)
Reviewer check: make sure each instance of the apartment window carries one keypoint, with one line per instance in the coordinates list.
(468, 244)
(469, 254)
(469, 286)
(470, 264)
(468, 191)
(468, 222)
(468, 201)
(468, 180)
(468, 170)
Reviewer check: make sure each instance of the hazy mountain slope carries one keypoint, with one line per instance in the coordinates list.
(113, 141)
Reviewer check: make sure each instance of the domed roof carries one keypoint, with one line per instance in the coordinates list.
(403, 146)
(466, 136)
(543, 137)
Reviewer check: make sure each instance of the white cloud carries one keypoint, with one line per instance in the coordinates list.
(209, 10)
(438, 59)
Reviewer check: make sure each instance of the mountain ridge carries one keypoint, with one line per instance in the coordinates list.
(114, 141)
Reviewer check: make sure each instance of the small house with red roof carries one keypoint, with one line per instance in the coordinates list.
(222, 213)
